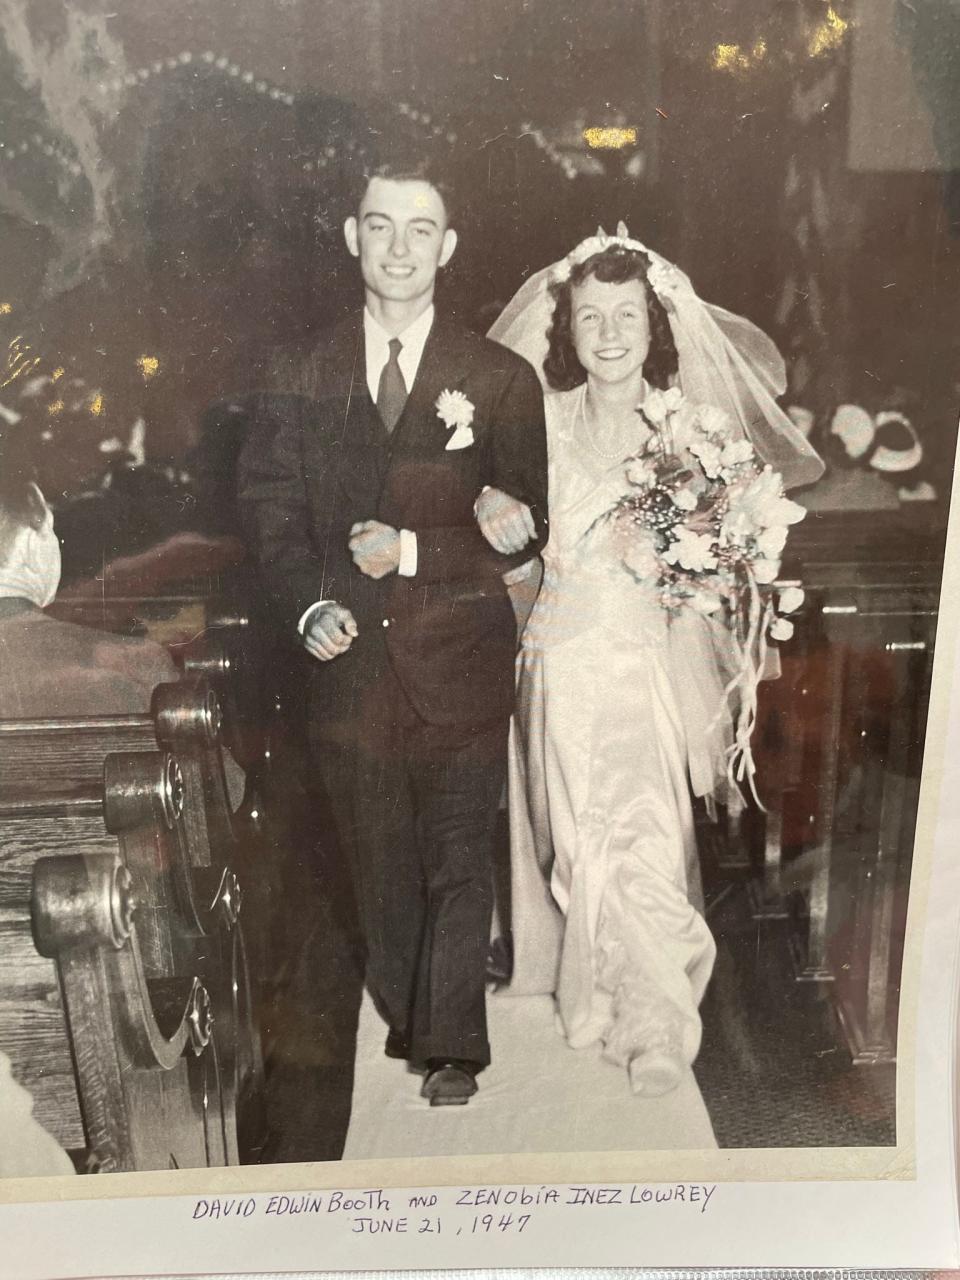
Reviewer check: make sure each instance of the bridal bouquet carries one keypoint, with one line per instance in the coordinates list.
(706, 523)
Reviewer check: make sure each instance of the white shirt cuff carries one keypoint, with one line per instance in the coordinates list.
(302, 624)
(408, 554)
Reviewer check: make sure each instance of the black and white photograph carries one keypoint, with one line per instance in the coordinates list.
(474, 489)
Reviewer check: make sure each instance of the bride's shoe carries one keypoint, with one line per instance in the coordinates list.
(646, 1035)
(655, 1072)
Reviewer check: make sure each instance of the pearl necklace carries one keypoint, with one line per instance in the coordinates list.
(618, 455)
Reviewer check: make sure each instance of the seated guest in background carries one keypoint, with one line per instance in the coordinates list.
(52, 668)
(897, 455)
(871, 463)
(26, 1149)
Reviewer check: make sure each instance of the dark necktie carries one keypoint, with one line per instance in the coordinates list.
(392, 391)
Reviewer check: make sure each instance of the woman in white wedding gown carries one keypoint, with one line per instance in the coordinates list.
(620, 705)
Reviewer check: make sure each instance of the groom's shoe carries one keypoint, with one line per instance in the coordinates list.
(397, 1046)
(450, 1082)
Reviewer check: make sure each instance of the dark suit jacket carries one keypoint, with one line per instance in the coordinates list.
(318, 459)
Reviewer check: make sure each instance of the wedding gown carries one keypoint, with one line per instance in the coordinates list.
(616, 709)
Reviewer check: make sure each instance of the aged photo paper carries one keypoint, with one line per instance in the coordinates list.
(478, 634)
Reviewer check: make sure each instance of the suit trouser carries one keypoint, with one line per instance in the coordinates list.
(415, 806)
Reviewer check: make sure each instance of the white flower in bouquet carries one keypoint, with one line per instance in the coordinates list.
(736, 452)
(673, 399)
(734, 530)
(761, 505)
(684, 429)
(640, 472)
(709, 456)
(685, 499)
(658, 405)
(653, 408)
(713, 421)
(705, 527)
(692, 551)
(702, 521)
(770, 542)
(765, 571)
(791, 599)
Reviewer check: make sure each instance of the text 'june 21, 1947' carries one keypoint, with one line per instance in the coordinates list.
(456, 1211)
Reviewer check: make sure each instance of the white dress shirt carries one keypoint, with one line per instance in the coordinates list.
(377, 348)
(376, 342)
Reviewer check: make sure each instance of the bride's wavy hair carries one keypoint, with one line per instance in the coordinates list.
(615, 265)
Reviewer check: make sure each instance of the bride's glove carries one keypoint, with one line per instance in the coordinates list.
(506, 523)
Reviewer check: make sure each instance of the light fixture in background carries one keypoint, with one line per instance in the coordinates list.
(597, 144)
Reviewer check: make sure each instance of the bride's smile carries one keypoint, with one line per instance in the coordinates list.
(611, 330)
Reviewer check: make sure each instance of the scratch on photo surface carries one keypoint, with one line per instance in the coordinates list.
(215, 626)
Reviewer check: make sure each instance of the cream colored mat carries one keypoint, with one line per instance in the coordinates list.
(537, 1096)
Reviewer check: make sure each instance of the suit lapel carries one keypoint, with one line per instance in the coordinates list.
(335, 376)
(440, 369)
(337, 379)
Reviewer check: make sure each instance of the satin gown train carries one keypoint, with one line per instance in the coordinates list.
(615, 709)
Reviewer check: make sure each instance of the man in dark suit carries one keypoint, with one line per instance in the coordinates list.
(369, 472)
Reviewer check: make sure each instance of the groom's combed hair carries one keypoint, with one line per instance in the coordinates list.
(411, 167)
(615, 265)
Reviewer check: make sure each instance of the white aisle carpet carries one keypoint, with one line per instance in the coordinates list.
(537, 1096)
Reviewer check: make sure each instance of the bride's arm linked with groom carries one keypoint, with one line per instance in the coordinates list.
(391, 483)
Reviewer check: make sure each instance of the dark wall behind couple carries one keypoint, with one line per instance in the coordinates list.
(204, 227)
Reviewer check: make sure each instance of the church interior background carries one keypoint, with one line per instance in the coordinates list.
(173, 181)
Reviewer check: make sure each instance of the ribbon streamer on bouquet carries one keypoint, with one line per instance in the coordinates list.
(744, 685)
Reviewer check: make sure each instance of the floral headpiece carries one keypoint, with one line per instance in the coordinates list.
(662, 276)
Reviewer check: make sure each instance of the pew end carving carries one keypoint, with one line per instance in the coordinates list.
(174, 997)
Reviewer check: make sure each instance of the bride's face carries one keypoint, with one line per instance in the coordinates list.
(610, 329)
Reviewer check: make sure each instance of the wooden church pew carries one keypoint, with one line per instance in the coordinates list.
(201, 887)
(103, 1011)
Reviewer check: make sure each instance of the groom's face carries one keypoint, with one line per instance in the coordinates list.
(401, 237)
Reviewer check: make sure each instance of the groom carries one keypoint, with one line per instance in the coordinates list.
(369, 473)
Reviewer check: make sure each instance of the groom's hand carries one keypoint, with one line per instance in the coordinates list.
(375, 548)
(505, 522)
(329, 631)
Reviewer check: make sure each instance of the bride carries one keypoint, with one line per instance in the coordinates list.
(620, 704)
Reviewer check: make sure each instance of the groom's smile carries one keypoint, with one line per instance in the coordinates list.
(402, 238)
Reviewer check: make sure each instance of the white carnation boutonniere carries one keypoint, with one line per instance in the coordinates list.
(457, 414)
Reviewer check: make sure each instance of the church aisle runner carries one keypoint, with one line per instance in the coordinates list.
(537, 1096)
